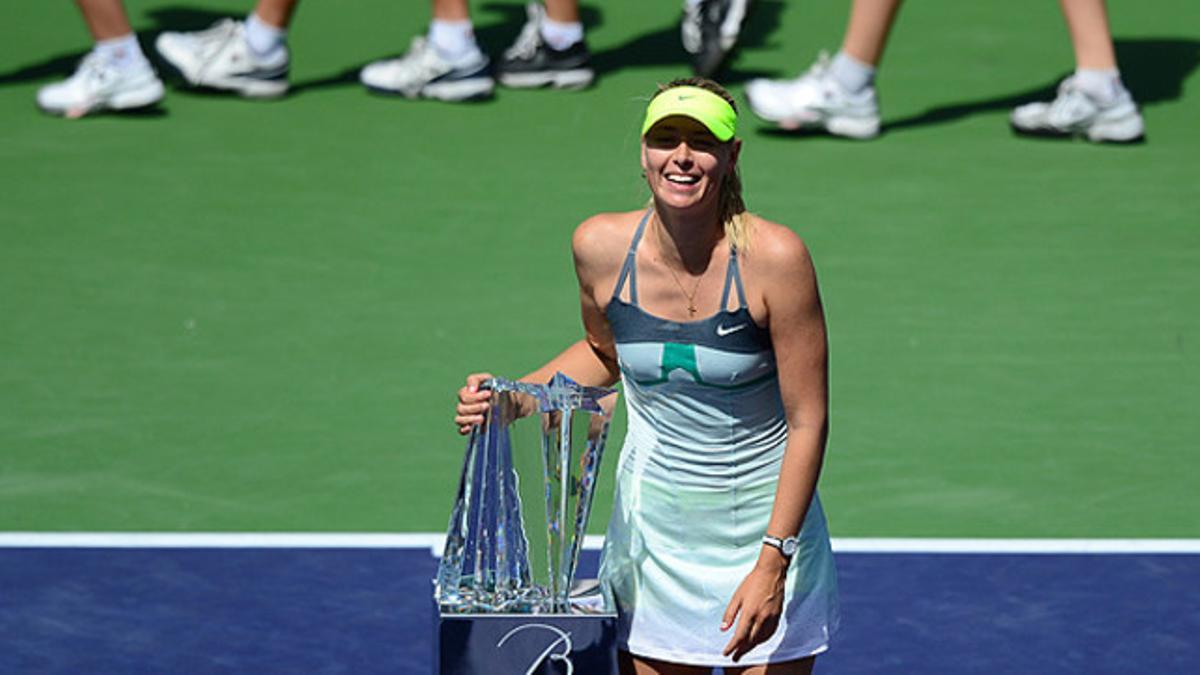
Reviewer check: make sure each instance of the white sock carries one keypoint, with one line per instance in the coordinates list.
(1104, 85)
(561, 35)
(123, 52)
(852, 74)
(452, 39)
(692, 3)
(263, 38)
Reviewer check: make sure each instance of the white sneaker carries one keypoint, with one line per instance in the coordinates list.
(220, 58)
(1075, 113)
(98, 85)
(422, 73)
(816, 100)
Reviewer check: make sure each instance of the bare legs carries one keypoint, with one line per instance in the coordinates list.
(451, 10)
(871, 22)
(1087, 21)
(106, 19)
(635, 665)
(867, 31)
(564, 11)
(798, 667)
(277, 13)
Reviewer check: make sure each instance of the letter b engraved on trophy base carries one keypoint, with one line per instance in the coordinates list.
(510, 644)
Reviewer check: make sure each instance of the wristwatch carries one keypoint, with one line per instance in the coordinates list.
(787, 546)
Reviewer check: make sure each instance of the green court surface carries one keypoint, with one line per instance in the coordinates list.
(239, 316)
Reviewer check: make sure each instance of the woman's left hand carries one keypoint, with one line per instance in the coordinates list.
(756, 605)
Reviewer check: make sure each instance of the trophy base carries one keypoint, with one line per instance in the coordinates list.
(541, 644)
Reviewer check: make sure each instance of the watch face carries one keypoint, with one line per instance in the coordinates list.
(789, 546)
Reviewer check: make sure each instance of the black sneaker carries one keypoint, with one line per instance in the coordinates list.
(530, 62)
(709, 30)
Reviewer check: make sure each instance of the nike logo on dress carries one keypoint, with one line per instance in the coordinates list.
(722, 331)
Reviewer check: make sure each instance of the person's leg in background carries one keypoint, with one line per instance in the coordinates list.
(248, 57)
(114, 75)
(1093, 102)
(550, 50)
(448, 64)
(835, 95)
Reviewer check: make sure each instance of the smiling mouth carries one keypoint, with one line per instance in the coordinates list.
(682, 179)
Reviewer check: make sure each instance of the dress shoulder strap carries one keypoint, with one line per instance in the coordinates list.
(733, 278)
(629, 269)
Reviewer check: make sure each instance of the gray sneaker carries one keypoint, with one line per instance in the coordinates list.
(1074, 112)
(816, 100)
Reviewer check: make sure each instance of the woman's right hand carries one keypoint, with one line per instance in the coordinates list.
(473, 403)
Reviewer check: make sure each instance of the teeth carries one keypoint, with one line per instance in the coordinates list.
(687, 180)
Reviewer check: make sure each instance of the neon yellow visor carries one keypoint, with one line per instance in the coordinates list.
(702, 105)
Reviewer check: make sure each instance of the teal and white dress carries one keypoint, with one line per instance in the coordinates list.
(696, 484)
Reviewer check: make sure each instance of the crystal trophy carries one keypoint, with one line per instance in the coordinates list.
(524, 497)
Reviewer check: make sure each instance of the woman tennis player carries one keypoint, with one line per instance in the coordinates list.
(717, 553)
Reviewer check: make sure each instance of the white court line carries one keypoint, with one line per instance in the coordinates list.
(219, 540)
(435, 542)
(1024, 546)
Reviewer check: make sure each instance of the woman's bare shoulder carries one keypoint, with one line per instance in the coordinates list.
(784, 274)
(777, 249)
(600, 236)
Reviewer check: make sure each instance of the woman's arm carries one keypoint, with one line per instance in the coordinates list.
(582, 362)
(797, 324)
(591, 361)
(801, 355)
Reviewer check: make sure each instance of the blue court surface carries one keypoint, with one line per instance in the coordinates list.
(280, 609)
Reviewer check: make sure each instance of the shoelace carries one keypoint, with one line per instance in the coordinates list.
(1071, 104)
(821, 67)
(421, 60)
(212, 40)
(816, 72)
(92, 62)
(530, 37)
(95, 69)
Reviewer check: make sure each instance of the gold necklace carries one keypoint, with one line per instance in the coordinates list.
(691, 297)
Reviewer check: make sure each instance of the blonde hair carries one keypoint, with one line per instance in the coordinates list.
(731, 208)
